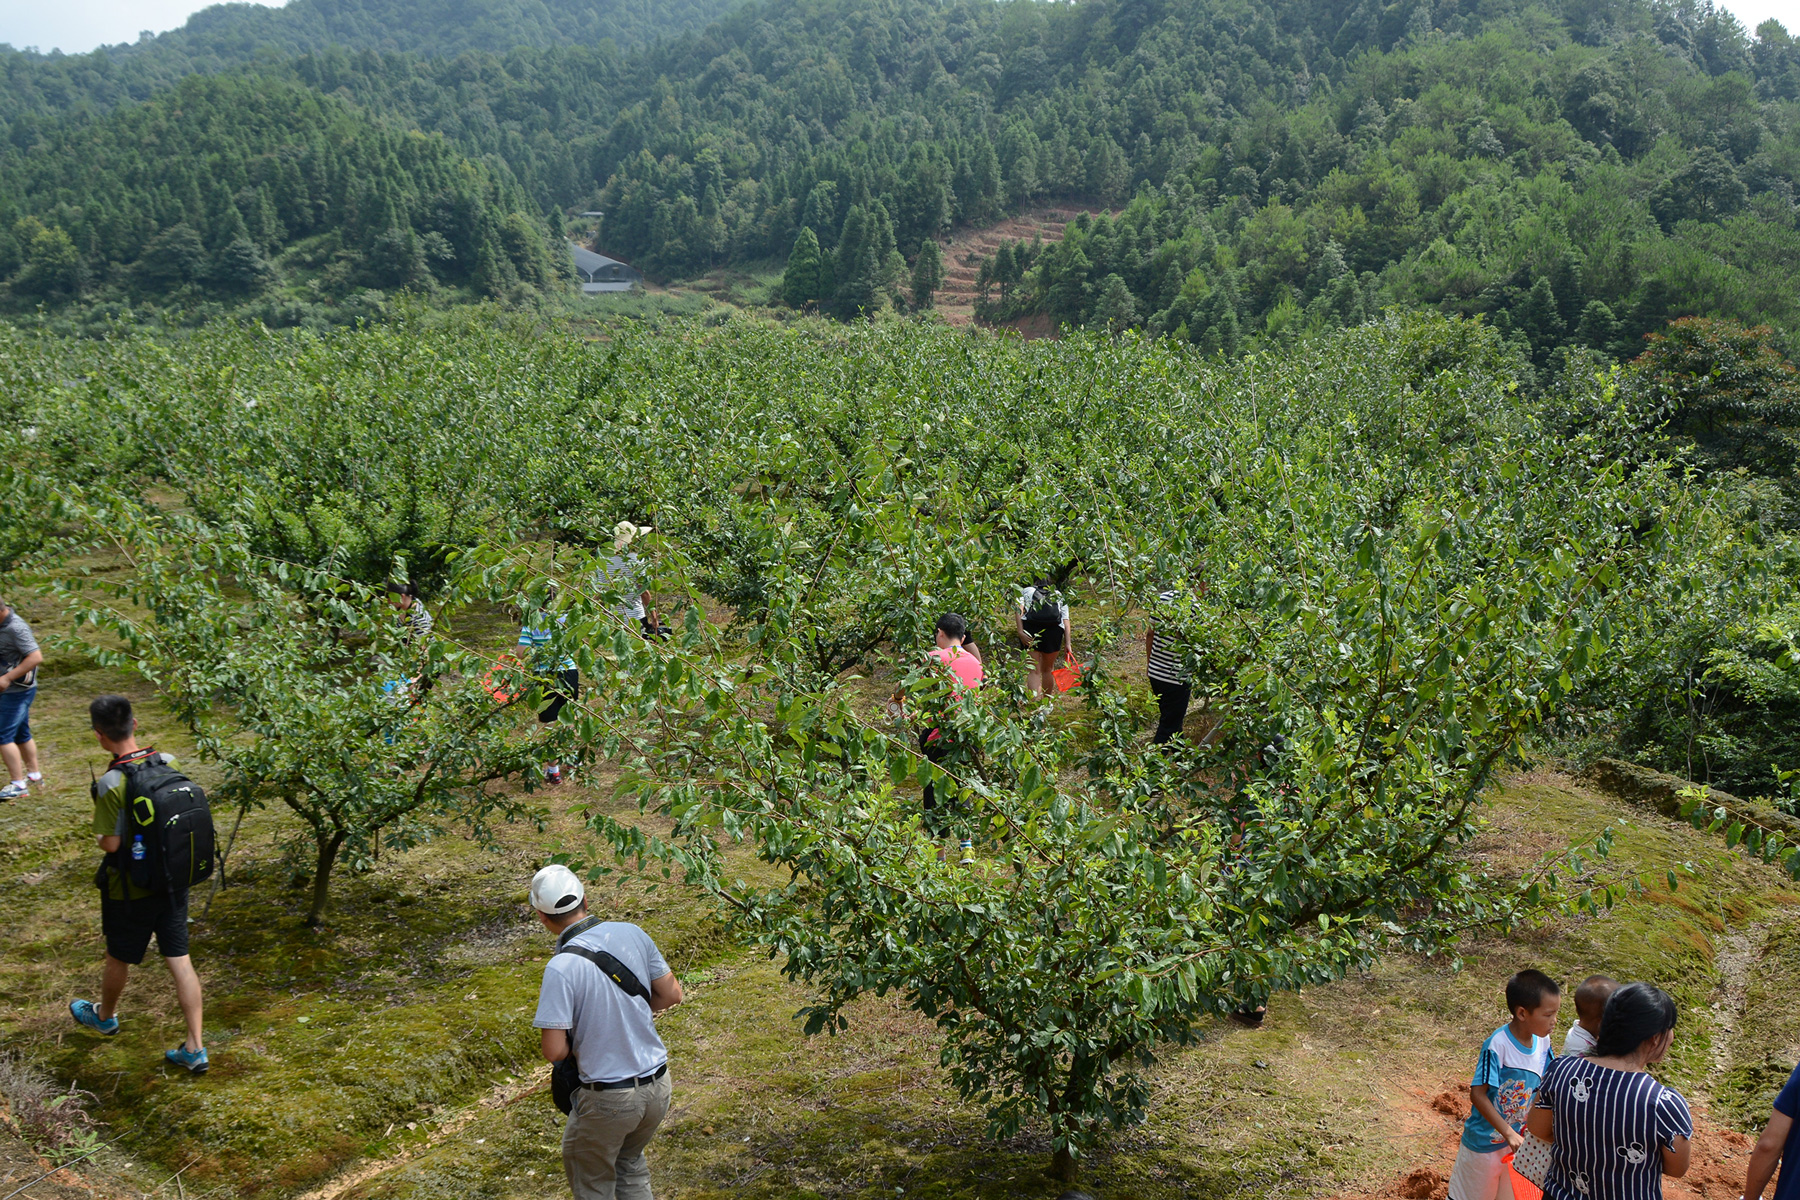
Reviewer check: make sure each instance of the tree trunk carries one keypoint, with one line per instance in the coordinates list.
(328, 852)
(1064, 1166)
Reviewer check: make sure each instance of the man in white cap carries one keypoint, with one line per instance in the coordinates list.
(620, 571)
(601, 988)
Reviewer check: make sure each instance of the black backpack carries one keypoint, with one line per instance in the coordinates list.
(565, 1074)
(167, 816)
(1045, 613)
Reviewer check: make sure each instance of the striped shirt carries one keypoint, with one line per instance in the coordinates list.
(537, 633)
(415, 622)
(1165, 652)
(1610, 1128)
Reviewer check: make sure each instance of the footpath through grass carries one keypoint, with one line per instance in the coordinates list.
(390, 1053)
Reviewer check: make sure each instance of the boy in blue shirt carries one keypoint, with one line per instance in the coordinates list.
(1778, 1146)
(537, 631)
(1512, 1062)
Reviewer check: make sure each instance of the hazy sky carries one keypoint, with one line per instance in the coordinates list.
(74, 26)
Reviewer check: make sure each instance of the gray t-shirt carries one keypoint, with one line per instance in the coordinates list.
(619, 573)
(612, 1033)
(16, 645)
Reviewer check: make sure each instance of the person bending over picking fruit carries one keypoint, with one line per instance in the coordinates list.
(1042, 625)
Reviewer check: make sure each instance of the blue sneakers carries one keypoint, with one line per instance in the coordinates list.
(86, 1014)
(181, 1056)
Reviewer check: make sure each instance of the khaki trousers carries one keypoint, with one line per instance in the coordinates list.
(604, 1140)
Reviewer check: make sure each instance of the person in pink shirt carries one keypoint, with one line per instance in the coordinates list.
(956, 651)
(963, 661)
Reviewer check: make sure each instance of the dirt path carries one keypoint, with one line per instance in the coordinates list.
(497, 1098)
(1719, 1154)
(1737, 954)
(966, 247)
(1717, 1171)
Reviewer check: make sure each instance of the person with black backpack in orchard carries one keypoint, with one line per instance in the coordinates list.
(1042, 624)
(156, 830)
(596, 1025)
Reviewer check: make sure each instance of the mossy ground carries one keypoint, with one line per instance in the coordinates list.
(399, 1035)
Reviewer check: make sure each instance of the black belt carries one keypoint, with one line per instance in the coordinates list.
(616, 1084)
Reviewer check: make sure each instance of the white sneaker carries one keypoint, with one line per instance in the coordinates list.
(14, 790)
(34, 777)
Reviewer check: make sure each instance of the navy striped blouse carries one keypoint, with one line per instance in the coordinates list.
(1610, 1129)
(1166, 665)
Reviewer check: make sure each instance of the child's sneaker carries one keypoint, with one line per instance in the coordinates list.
(86, 1014)
(34, 777)
(968, 851)
(181, 1056)
(14, 790)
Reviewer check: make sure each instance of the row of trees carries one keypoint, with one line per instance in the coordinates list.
(35, 85)
(864, 273)
(1406, 579)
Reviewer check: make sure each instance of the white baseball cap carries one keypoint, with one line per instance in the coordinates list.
(556, 890)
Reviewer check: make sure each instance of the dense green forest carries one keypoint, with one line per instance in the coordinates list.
(269, 176)
(227, 35)
(1581, 173)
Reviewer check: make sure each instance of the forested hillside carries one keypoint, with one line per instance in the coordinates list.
(215, 187)
(227, 35)
(1581, 174)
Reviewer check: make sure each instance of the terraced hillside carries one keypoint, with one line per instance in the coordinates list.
(965, 250)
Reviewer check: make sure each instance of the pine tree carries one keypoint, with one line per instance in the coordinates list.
(241, 268)
(927, 274)
(1115, 309)
(856, 266)
(800, 282)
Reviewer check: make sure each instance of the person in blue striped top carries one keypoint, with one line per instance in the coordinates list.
(1614, 1131)
(536, 632)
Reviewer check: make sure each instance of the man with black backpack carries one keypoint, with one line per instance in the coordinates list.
(156, 830)
(595, 1023)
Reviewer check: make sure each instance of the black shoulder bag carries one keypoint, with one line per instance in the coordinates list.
(565, 1075)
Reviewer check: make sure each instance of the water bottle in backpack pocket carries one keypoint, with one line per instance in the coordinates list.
(171, 826)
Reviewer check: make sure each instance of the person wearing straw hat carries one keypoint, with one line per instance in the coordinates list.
(622, 572)
(607, 1024)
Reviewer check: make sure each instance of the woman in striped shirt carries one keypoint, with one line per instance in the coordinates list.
(414, 623)
(1169, 678)
(1614, 1131)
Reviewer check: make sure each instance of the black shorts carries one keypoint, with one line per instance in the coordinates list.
(937, 820)
(128, 925)
(570, 684)
(1046, 640)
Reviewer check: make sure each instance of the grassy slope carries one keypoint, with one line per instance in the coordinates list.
(399, 1035)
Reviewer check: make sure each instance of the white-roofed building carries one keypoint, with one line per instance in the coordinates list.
(602, 274)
